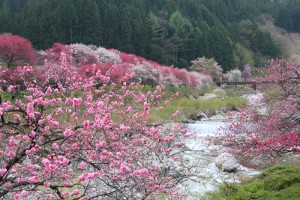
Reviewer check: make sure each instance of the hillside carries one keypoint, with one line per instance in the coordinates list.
(288, 42)
(169, 32)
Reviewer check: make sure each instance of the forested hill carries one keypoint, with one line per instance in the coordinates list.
(172, 32)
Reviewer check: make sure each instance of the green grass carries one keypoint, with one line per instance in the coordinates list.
(8, 97)
(190, 107)
(184, 91)
(187, 102)
(276, 183)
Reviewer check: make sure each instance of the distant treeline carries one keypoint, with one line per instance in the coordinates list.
(172, 32)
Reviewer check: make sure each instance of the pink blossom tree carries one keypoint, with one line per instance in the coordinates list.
(147, 73)
(209, 66)
(90, 54)
(68, 139)
(131, 58)
(255, 134)
(246, 73)
(15, 50)
(117, 65)
(181, 76)
(81, 53)
(167, 78)
(52, 56)
(234, 75)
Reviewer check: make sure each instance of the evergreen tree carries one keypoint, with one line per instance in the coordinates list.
(89, 26)
(31, 23)
(68, 20)
(221, 47)
(49, 31)
(125, 30)
(6, 21)
(170, 32)
(181, 31)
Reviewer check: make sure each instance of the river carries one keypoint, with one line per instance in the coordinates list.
(206, 176)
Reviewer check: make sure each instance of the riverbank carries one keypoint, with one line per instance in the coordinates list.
(279, 182)
(279, 179)
(211, 164)
(209, 171)
(196, 104)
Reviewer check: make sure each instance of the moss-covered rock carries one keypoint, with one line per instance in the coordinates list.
(275, 183)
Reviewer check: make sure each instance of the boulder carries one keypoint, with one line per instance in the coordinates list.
(227, 162)
(198, 117)
(214, 150)
(201, 116)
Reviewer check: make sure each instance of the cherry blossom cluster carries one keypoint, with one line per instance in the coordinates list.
(209, 66)
(267, 135)
(15, 50)
(247, 72)
(118, 65)
(234, 75)
(68, 136)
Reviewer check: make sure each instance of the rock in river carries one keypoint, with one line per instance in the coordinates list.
(226, 162)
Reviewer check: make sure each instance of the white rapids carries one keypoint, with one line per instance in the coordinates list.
(206, 176)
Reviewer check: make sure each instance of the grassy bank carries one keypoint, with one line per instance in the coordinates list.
(276, 183)
(192, 101)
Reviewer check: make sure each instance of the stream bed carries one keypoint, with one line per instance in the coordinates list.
(206, 176)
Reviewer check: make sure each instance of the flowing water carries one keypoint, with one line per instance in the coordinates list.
(206, 176)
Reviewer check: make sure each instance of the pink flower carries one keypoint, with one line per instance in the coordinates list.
(55, 146)
(76, 192)
(141, 172)
(175, 114)
(24, 193)
(33, 179)
(54, 123)
(68, 132)
(12, 154)
(20, 180)
(77, 102)
(30, 167)
(30, 108)
(65, 194)
(100, 144)
(123, 168)
(68, 101)
(86, 125)
(82, 165)
(92, 175)
(31, 151)
(58, 111)
(83, 177)
(179, 144)
(12, 142)
(2, 171)
(8, 185)
(11, 88)
(16, 196)
(66, 184)
(65, 161)
(48, 91)
(47, 184)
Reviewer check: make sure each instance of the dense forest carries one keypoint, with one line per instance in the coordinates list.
(289, 16)
(172, 32)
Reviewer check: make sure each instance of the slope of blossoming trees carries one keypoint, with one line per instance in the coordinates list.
(69, 136)
(269, 135)
(116, 65)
